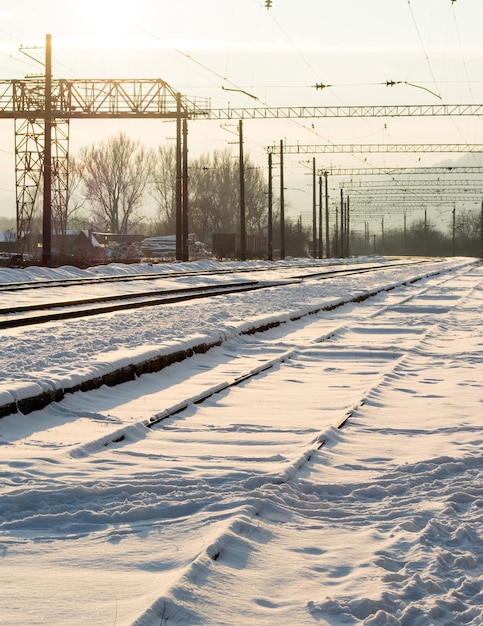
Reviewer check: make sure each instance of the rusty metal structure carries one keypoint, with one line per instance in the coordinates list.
(38, 104)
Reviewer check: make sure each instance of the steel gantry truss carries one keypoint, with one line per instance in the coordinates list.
(403, 171)
(410, 182)
(391, 194)
(135, 98)
(429, 197)
(374, 148)
(397, 193)
(403, 190)
(415, 110)
(400, 195)
(42, 109)
(416, 191)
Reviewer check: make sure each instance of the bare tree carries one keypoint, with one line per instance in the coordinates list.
(164, 188)
(115, 175)
(255, 199)
(468, 224)
(214, 194)
(65, 212)
(467, 231)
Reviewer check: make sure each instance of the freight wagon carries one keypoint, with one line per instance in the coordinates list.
(227, 246)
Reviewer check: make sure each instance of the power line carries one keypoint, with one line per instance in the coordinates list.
(461, 47)
(426, 56)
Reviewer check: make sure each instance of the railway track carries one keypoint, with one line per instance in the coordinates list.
(253, 353)
(39, 394)
(204, 470)
(312, 337)
(15, 315)
(87, 279)
(316, 352)
(37, 389)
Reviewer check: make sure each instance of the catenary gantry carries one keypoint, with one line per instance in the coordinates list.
(369, 148)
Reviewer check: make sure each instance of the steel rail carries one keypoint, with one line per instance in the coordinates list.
(68, 282)
(88, 307)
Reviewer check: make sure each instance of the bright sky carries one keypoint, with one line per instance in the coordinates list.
(204, 47)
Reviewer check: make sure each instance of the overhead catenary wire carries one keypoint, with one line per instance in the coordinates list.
(465, 67)
(426, 55)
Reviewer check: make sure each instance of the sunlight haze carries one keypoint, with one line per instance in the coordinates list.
(241, 54)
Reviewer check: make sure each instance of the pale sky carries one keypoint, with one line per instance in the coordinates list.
(205, 47)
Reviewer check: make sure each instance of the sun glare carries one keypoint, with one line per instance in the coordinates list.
(106, 21)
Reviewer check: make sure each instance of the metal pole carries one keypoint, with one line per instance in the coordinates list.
(314, 212)
(270, 209)
(348, 220)
(321, 243)
(481, 231)
(282, 206)
(327, 234)
(426, 232)
(336, 233)
(405, 234)
(243, 234)
(382, 236)
(341, 222)
(178, 189)
(47, 198)
(184, 221)
(454, 230)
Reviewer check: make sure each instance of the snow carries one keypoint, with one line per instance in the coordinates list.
(251, 506)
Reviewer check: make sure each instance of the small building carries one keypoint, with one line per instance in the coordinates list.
(75, 243)
(109, 239)
(228, 246)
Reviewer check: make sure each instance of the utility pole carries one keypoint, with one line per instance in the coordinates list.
(336, 233)
(327, 235)
(282, 206)
(426, 232)
(454, 230)
(382, 236)
(321, 243)
(184, 221)
(270, 208)
(47, 198)
(347, 230)
(243, 234)
(405, 234)
(341, 222)
(314, 211)
(481, 231)
(179, 183)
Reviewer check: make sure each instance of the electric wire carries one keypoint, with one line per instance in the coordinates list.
(426, 56)
(311, 129)
(468, 82)
(429, 64)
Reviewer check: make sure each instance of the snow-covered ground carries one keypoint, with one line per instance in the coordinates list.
(252, 507)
